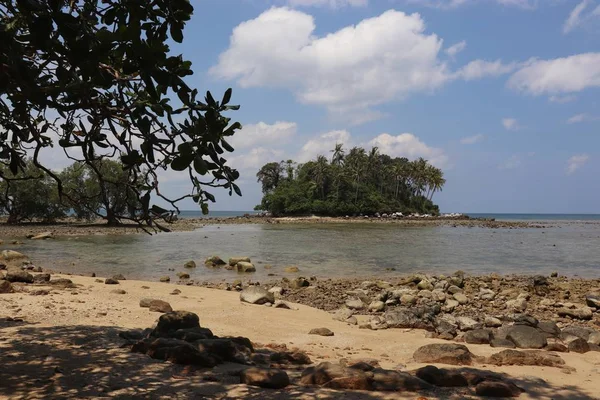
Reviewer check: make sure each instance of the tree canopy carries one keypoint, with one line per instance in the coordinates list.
(352, 183)
(98, 80)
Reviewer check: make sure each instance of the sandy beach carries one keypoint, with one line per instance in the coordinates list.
(63, 342)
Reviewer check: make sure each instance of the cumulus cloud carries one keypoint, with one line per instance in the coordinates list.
(453, 50)
(562, 99)
(323, 144)
(250, 162)
(510, 124)
(558, 76)
(328, 3)
(349, 71)
(472, 139)
(263, 134)
(478, 69)
(576, 162)
(409, 146)
(452, 4)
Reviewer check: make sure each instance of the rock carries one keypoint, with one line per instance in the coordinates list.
(492, 322)
(281, 304)
(190, 264)
(165, 279)
(175, 292)
(214, 262)
(119, 277)
(234, 260)
(486, 294)
(256, 295)
(291, 269)
(558, 347)
(524, 319)
(498, 342)
(11, 255)
(299, 283)
(441, 377)
(425, 285)
(407, 299)
(577, 313)
(176, 351)
(334, 376)
(579, 345)
(477, 336)
(183, 275)
(5, 286)
(593, 300)
(265, 378)
(497, 389)
(453, 289)
(531, 357)
(450, 305)
(355, 304)
(342, 314)
(594, 338)
(118, 291)
(467, 324)
(461, 298)
(43, 235)
(276, 290)
(40, 278)
(243, 266)
(160, 306)
(549, 328)
(445, 353)
(111, 281)
(377, 306)
(576, 331)
(519, 305)
(414, 317)
(395, 381)
(173, 321)
(19, 276)
(526, 337)
(445, 328)
(321, 332)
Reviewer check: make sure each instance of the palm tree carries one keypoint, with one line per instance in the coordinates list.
(338, 154)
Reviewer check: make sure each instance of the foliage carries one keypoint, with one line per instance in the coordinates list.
(353, 183)
(98, 79)
(32, 195)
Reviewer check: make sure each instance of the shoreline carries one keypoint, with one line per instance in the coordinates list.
(71, 227)
(88, 315)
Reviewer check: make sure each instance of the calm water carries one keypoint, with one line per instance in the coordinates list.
(333, 250)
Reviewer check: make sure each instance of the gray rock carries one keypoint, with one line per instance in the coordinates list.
(492, 322)
(577, 331)
(461, 298)
(19, 276)
(165, 279)
(425, 285)
(160, 306)
(518, 304)
(119, 277)
(467, 324)
(577, 313)
(486, 294)
(549, 328)
(594, 338)
(281, 304)
(502, 343)
(40, 278)
(214, 262)
(526, 337)
(190, 264)
(276, 290)
(321, 332)
(377, 306)
(234, 260)
(256, 295)
(11, 255)
(408, 299)
(454, 289)
(579, 345)
(446, 353)
(593, 300)
(355, 304)
(342, 314)
(171, 322)
(243, 266)
(477, 336)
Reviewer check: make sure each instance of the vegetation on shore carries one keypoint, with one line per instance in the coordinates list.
(347, 184)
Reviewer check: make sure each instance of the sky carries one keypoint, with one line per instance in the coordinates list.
(500, 94)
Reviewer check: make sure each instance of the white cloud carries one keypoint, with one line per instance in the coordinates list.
(328, 3)
(263, 133)
(558, 76)
(323, 144)
(562, 99)
(478, 69)
(453, 50)
(472, 139)
(576, 162)
(409, 146)
(512, 163)
(581, 118)
(349, 71)
(250, 162)
(574, 18)
(451, 4)
(510, 124)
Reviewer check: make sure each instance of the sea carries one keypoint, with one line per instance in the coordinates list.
(566, 243)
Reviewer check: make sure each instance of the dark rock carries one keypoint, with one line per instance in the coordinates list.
(526, 337)
(119, 277)
(5, 286)
(160, 306)
(165, 279)
(171, 322)
(111, 281)
(444, 327)
(176, 351)
(579, 345)
(441, 377)
(577, 331)
(118, 291)
(421, 317)
(335, 376)
(497, 389)
(477, 336)
(265, 378)
(40, 278)
(517, 357)
(558, 347)
(192, 334)
(524, 319)
(190, 264)
(214, 261)
(183, 275)
(396, 381)
(19, 276)
(497, 342)
(296, 357)
(593, 300)
(454, 354)
(321, 332)
(299, 283)
(62, 282)
(549, 328)
(225, 349)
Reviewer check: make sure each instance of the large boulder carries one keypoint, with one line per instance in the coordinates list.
(396, 381)
(190, 264)
(214, 262)
(441, 377)
(19, 276)
(478, 336)
(5, 286)
(265, 378)
(414, 317)
(256, 295)
(160, 306)
(11, 255)
(579, 345)
(175, 351)
(530, 357)
(497, 389)
(335, 376)
(234, 260)
(444, 353)
(173, 321)
(526, 337)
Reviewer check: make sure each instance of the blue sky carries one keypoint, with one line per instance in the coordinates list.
(502, 94)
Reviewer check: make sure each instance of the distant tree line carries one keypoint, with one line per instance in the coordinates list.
(35, 197)
(347, 184)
